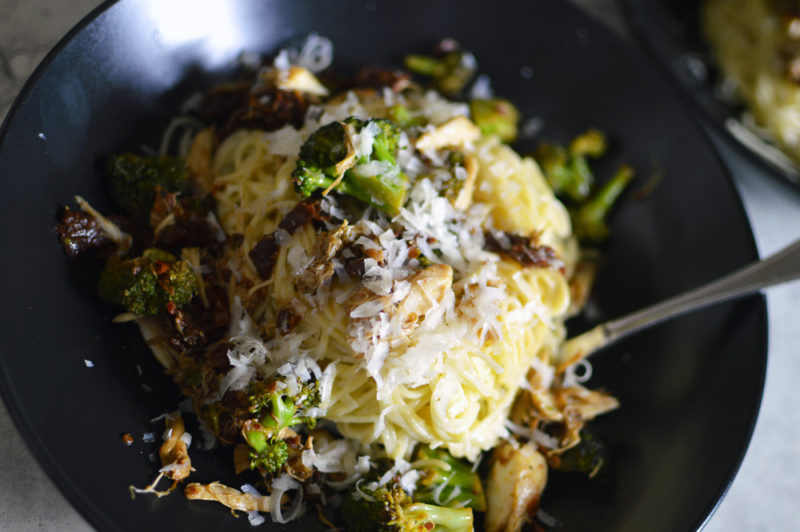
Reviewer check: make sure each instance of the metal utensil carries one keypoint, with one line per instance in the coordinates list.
(778, 268)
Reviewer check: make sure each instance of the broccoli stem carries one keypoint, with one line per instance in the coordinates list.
(459, 475)
(382, 152)
(275, 411)
(442, 518)
(423, 64)
(255, 438)
(282, 413)
(589, 219)
(384, 192)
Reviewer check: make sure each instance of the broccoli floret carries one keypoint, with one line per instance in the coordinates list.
(328, 154)
(147, 285)
(566, 169)
(320, 158)
(462, 485)
(269, 454)
(135, 179)
(568, 173)
(450, 71)
(565, 173)
(390, 509)
(589, 219)
(276, 407)
(384, 187)
(496, 117)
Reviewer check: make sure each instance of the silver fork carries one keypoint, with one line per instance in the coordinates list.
(778, 268)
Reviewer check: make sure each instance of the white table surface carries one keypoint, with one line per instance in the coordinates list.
(765, 496)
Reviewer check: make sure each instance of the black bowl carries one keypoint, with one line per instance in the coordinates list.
(672, 33)
(690, 389)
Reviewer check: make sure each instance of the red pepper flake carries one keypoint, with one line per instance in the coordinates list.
(287, 319)
(161, 267)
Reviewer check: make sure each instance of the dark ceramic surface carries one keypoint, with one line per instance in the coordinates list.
(690, 389)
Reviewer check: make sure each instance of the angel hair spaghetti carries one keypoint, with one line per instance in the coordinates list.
(376, 294)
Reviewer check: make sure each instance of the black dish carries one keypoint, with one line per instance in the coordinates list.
(690, 389)
(671, 32)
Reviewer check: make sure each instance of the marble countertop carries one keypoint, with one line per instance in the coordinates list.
(765, 493)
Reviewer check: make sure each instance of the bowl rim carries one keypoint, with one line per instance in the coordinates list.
(639, 16)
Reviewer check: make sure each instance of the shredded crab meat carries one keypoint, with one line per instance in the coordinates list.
(230, 497)
(174, 456)
(427, 290)
(382, 320)
(458, 131)
(295, 78)
(463, 200)
(322, 266)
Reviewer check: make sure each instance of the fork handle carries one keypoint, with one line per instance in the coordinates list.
(778, 268)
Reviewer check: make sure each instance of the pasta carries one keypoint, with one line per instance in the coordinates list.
(374, 262)
(494, 318)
